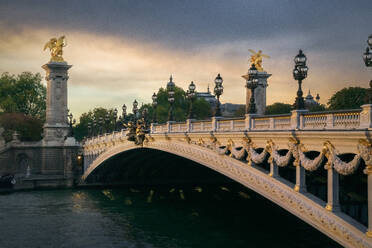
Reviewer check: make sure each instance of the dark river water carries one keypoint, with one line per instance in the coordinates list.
(167, 216)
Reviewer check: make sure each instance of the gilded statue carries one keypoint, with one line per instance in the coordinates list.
(256, 58)
(56, 48)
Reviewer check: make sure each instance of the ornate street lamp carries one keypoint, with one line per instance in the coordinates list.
(367, 57)
(252, 83)
(218, 90)
(135, 110)
(154, 105)
(190, 94)
(101, 123)
(145, 111)
(299, 74)
(171, 92)
(107, 122)
(71, 121)
(115, 118)
(89, 129)
(94, 127)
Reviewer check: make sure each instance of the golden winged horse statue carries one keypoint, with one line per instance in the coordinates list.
(56, 48)
(256, 58)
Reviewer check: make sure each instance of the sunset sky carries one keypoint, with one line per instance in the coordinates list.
(126, 50)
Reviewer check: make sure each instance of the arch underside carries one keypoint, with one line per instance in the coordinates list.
(303, 205)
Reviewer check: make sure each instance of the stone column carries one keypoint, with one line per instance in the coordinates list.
(188, 125)
(366, 116)
(300, 179)
(274, 169)
(333, 203)
(215, 123)
(368, 171)
(297, 119)
(169, 126)
(259, 93)
(56, 125)
(248, 121)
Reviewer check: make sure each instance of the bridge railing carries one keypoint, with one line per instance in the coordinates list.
(354, 119)
(297, 120)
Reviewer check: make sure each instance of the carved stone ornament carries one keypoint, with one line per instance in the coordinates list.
(335, 226)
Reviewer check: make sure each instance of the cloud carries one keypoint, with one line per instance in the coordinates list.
(109, 70)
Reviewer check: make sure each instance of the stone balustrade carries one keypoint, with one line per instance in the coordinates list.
(328, 120)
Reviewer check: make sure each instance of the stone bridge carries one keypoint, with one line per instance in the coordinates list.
(236, 148)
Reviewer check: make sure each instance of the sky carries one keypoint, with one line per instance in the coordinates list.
(126, 50)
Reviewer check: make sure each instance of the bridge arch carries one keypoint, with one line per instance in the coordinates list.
(339, 227)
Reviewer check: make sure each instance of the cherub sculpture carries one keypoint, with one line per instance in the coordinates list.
(140, 132)
(256, 58)
(56, 48)
(132, 131)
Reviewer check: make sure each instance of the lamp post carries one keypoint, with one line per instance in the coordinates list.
(171, 91)
(367, 57)
(107, 122)
(145, 111)
(135, 110)
(252, 83)
(101, 123)
(299, 74)
(190, 94)
(154, 105)
(115, 117)
(89, 129)
(218, 90)
(124, 114)
(94, 127)
(71, 121)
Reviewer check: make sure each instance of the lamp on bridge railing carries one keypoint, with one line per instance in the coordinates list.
(89, 129)
(218, 90)
(145, 112)
(100, 124)
(171, 92)
(367, 57)
(135, 109)
(107, 122)
(252, 83)
(71, 121)
(115, 118)
(154, 105)
(94, 127)
(299, 74)
(190, 94)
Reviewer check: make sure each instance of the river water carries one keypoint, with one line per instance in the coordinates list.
(163, 216)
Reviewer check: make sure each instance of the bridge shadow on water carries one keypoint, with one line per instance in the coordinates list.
(194, 206)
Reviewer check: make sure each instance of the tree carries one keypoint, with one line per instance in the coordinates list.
(201, 108)
(23, 93)
(29, 128)
(347, 98)
(317, 108)
(278, 108)
(81, 129)
(240, 112)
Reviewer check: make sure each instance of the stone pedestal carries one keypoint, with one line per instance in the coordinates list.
(296, 120)
(366, 116)
(259, 93)
(56, 125)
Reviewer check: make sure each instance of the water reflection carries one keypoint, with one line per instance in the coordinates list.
(165, 216)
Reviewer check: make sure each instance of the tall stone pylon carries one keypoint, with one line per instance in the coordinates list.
(259, 93)
(56, 125)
